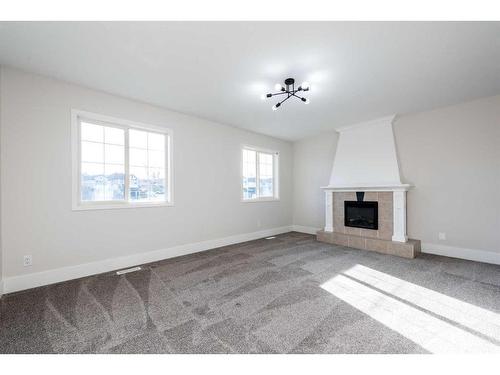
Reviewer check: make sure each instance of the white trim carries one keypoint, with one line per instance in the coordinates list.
(382, 120)
(399, 216)
(77, 204)
(328, 211)
(257, 200)
(1, 288)
(128, 270)
(462, 253)
(117, 121)
(120, 205)
(396, 187)
(32, 280)
(259, 149)
(304, 229)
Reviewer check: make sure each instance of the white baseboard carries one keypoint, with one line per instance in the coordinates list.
(462, 253)
(32, 280)
(304, 229)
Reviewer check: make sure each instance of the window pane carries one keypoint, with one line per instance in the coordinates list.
(114, 154)
(265, 159)
(156, 141)
(114, 183)
(140, 186)
(138, 157)
(156, 159)
(266, 187)
(92, 152)
(138, 138)
(157, 180)
(114, 136)
(92, 132)
(266, 175)
(92, 182)
(249, 174)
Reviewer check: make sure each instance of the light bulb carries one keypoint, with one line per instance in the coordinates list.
(275, 107)
(307, 101)
(305, 85)
(277, 87)
(263, 96)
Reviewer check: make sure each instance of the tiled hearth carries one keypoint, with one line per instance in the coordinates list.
(409, 249)
(386, 240)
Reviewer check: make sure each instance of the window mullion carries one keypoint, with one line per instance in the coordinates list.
(166, 171)
(104, 159)
(126, 166)
(275, 177)
(147, 166)
(257, 174)
(79, 189)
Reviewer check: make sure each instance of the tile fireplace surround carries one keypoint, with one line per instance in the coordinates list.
(390, 238)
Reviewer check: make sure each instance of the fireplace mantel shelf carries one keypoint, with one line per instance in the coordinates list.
(398, 187)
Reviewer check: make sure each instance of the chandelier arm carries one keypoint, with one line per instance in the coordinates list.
(279, 93)
(284, 100)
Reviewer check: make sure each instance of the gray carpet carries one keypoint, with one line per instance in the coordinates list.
(289, 294)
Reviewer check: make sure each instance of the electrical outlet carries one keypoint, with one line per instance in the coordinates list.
(27, 260)
(442, 236)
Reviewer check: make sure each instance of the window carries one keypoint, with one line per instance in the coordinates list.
(259, 171)
(117, 163)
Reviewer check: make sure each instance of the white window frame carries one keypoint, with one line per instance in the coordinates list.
(77, 204)
(276, 174)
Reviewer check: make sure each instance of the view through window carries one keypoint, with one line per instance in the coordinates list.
(122, 164)
(259, 170)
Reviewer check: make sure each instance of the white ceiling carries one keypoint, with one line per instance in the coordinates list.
(217, 70)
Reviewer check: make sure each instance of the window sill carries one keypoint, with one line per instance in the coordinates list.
(120, 206)
(260, 200)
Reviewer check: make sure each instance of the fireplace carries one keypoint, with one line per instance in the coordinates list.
(361, 214)
(365, 178)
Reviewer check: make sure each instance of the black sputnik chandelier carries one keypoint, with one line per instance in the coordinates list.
(288, 91)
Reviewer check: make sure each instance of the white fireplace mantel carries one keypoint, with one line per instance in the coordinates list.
(395, 187)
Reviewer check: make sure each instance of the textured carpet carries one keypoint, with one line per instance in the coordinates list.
(290, 294)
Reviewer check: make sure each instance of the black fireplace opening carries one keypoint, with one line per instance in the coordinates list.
(361, 214)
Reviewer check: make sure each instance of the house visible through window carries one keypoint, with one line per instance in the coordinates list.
(120, 163)
(259, 174)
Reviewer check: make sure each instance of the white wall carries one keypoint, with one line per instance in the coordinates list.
(1, 252)
(36, 215)
(452, 157)
(312, 165)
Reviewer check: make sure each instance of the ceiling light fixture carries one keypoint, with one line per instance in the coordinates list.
(288, 90)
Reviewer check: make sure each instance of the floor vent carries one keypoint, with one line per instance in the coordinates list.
(128, 270)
